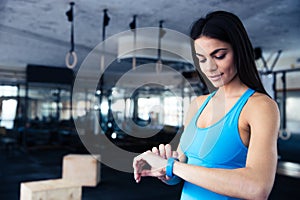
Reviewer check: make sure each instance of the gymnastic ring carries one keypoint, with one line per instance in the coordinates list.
(74, 56)
(284, 134)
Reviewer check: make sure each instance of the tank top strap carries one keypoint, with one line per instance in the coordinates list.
(241, 102)
(204, 104)
(244, 98)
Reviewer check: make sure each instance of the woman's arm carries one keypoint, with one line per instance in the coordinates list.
(255, 181)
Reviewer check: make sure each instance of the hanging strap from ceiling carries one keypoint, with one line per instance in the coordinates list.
(71, 55)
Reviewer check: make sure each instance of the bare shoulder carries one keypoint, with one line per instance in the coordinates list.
(259, 101)
(261, 106)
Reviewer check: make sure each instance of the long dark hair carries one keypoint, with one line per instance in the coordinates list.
(227, 27)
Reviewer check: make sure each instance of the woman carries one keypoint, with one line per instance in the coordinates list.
(228, 149)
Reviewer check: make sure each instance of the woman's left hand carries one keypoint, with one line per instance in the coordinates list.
(149, 164)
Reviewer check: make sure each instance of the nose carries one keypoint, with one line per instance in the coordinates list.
(209, 66)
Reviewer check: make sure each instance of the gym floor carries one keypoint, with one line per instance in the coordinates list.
(17, 166)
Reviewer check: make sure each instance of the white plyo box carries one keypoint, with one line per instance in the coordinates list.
(85, 170)
(53, 189)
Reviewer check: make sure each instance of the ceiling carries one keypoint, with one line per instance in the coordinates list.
(38, 32)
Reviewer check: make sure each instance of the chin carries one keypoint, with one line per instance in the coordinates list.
(218, 84)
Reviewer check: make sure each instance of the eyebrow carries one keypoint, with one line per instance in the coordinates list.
(212, 53)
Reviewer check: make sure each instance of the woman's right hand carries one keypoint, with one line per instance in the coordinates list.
(165, 151)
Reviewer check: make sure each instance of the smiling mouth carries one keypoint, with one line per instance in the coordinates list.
(216, 77)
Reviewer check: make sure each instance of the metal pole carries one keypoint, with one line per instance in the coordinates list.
(283, 78)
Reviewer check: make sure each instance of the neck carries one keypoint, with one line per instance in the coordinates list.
(233, 89)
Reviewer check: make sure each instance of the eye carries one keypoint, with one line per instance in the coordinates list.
(202, 60)
(220, 57)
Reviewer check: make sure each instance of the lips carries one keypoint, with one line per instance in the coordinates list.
(215, 77)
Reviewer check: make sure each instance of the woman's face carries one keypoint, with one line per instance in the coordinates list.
(216, 60)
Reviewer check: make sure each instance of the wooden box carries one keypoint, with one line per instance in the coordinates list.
(53, 189)
(82, 169)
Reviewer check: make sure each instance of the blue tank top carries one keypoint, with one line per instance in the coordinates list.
(216, 146)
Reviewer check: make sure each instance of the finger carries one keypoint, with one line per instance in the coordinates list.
(175, 154)
(155, 150)
(138, 164)
(146, 172)
(136, 174)
(164, 178)
(168, 150)
(138, 169)
(134, 164)
(167, 178)
(153, 173)
(137, 178)
(162, 151)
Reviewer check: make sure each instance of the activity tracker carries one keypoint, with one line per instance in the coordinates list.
(169, 168)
